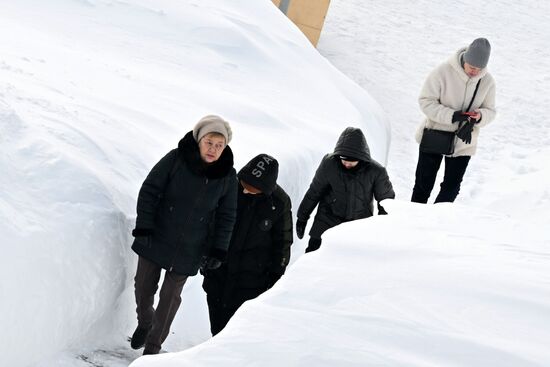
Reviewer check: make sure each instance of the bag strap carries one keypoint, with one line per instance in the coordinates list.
(460, 124)
(474, 96)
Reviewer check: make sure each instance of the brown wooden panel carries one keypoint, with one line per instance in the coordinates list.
(308, 12)
(308, 15)
(312, 34)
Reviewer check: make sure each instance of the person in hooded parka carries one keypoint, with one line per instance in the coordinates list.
(260, 245)
(344, 186)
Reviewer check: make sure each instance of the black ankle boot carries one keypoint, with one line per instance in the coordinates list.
(139, 336)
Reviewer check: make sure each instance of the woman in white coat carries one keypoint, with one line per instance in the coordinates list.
(458, 93)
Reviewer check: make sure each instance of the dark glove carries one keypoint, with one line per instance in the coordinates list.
(300, 228)
(465, 131)
(210, 263)
(142, 232)
(459, 116)
(214, 259)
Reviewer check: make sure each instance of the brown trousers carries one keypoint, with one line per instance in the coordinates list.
(146, 285)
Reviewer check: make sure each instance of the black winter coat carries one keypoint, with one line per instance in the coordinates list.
(343, 194)
(259, 250)
(179, 198)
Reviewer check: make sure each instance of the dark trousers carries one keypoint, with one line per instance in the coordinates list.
(219, 314)
(313, 244)
(426, 172)
(223, 305)
(146, 285)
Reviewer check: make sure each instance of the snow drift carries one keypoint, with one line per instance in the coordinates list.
(443, 285)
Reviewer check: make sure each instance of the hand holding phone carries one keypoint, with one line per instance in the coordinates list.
(474, 115)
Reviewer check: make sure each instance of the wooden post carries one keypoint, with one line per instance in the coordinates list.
(308, 15)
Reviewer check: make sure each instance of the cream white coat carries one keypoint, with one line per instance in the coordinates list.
(448, 89)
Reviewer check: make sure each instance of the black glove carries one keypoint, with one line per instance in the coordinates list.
(142, 232)
(300, 228)
(214, 259)
(459, 116)
(465, 131)
(210, 263)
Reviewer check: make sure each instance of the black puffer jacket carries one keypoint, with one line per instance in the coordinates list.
(259, 250)
(345, 194)
(178, 199)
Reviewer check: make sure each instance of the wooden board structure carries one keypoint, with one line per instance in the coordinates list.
(308, 15)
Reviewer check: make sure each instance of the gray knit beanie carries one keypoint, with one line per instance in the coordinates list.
(478, 53)
(212, 124)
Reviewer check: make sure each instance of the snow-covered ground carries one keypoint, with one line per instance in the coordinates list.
(389, 47)
(94, 92)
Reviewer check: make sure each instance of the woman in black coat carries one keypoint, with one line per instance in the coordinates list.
(190, 187)
(344, 186)
(260, 245)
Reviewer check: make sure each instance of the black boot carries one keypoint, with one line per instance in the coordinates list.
(139, 336)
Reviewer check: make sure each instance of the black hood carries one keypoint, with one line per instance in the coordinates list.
(352, 143)
(188, 152)
(261, 172)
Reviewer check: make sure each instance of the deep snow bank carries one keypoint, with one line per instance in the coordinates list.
(443, 285)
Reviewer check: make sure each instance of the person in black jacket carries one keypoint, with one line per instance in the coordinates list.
(186, 190)
(344, 186)
(260, 245)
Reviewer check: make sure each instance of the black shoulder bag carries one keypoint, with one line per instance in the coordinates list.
(439, 141)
